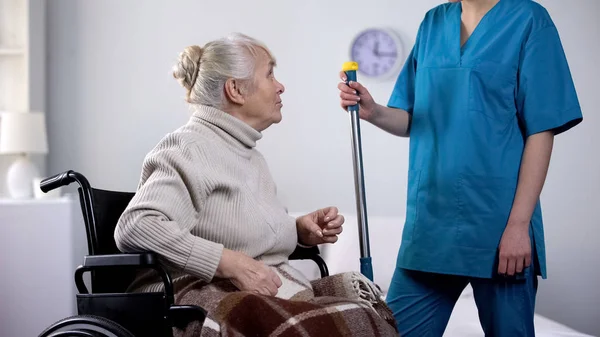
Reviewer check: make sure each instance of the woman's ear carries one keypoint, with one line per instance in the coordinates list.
(234, 92)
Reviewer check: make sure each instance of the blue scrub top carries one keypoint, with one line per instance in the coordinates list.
(472, 110)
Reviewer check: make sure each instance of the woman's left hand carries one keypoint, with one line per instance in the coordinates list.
(318, 227)
(515, 250)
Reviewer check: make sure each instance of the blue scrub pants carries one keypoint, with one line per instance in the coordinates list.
(422, 303)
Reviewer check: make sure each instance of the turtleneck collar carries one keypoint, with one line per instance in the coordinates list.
(233, 126)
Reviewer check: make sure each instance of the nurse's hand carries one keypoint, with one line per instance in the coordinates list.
(515, 250)
(318, 227)
(356, 93)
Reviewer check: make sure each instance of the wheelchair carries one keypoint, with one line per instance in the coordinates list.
(107, 309)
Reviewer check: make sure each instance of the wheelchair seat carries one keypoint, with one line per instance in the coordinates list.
(107, 309)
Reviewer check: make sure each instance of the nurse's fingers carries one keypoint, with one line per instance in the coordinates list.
(512, 265)
(519, 266)
(359, 88)
(343, 76)
(527, 261)
(345, 88)
(351, 87)
(349, 97)
(346, 104)
(502, 264)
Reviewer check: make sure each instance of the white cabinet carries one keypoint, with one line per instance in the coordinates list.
(41, 244)
(22, 63)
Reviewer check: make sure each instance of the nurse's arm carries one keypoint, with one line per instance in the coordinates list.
(515, 246)
(532, 175)
(392, 120)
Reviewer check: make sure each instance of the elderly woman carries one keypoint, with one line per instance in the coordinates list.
(207, 205)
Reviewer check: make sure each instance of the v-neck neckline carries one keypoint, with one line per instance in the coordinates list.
(462, 48)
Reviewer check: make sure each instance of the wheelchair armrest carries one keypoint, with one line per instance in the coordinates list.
(182, 315)
(305, 253)
(141, 259)
(130, 260)
(311, 253)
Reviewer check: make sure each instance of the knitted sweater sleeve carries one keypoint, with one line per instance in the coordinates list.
(165, 208)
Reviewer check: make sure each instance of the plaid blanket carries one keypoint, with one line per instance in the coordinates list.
(345, 304)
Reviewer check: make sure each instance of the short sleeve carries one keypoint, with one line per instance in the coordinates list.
(403, 94)
(546, 95)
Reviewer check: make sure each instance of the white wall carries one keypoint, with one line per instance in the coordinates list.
(111, 97)
(571, 196)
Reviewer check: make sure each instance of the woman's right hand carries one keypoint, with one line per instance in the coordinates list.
(248, 274)
(356, 93)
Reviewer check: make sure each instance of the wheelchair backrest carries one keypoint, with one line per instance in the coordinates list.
(101, 211)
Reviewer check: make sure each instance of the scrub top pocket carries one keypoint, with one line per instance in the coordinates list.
(492, 90)
(484, 205)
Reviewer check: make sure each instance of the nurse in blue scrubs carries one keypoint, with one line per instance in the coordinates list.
(482, 95)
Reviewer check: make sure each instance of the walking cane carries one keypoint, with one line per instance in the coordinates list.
(366, 267)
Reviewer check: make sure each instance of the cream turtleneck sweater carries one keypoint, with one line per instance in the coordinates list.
(203, 188)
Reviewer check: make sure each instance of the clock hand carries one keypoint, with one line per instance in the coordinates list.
(386, 54)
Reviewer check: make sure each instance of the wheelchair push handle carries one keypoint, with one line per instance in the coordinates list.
(64, 179)
(56, 181)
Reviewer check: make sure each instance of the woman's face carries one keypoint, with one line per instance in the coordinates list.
(262, 105)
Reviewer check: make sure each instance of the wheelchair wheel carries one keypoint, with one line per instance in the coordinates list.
(85, 325)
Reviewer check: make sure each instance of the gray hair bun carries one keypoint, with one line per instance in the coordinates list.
(186, 69)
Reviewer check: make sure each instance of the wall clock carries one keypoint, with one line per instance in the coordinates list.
(378, 51)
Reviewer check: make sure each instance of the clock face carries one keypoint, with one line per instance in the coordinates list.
(376, 51)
